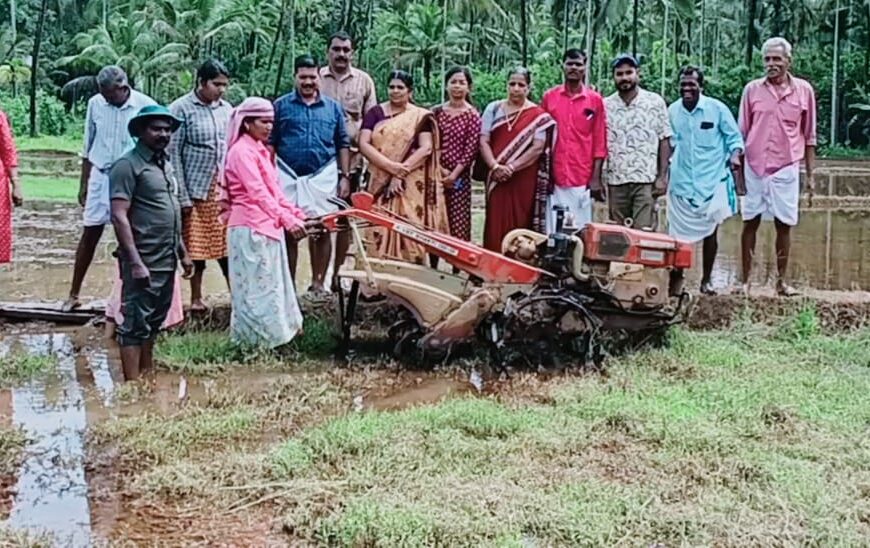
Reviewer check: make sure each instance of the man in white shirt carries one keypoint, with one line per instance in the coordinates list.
(106, 140)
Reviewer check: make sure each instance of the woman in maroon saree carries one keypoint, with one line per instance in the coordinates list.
(515, 144)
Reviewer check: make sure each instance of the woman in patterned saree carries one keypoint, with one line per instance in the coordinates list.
(459, 123)
(400, 141)
(515, 142)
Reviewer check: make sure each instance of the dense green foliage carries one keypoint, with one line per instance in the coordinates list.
(160, 42)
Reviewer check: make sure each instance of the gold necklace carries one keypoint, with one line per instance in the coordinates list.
(516, 116)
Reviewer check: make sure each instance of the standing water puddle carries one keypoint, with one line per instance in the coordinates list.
(55, 491)
(52, 494)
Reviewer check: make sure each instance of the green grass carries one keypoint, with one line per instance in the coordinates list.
(12, 443)
(153, 439)
(200, 353)
(55, 189)
(25, 539)
(212, 352)
(19, 367)
(723, 438)
(843, 152)
(752, 436)
(66, 143)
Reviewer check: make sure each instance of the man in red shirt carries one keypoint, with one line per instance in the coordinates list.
(581, 142)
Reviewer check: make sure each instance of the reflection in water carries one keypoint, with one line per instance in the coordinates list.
(51, 489)
(55, 492)
(829, 250)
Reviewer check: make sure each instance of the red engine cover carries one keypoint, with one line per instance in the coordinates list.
(612, 242)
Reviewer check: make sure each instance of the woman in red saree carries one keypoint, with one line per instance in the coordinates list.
(515, 142)
(10, 189)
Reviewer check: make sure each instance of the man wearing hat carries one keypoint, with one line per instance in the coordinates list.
(638, 133)
(147, 218)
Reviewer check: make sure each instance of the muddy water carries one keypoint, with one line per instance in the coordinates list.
(51, 487)
(45, 238)
(53, 491)
(830, 250)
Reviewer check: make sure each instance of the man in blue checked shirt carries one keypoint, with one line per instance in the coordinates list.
(313, 149)
(707, 147)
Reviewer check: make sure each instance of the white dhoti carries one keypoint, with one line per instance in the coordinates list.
(693, 219)
(775, 196)
(98, 209)
(312, 193)
(576, 200)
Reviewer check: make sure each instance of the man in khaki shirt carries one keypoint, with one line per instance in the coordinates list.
(355, 91)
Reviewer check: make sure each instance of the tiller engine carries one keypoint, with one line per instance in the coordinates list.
(544, 296)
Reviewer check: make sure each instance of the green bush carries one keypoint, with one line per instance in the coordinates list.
(52, 117)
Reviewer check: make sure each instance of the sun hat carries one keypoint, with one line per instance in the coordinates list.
(151, 111)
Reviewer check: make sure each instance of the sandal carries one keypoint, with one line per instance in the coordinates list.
(707, 289)
(70, 304)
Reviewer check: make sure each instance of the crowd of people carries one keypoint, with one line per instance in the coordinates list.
(202, 181)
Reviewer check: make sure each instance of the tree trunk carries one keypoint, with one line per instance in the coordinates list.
(834, 68)
(471, 14)
(369, 32)
(634, 29)
(689, 37)
(348, 19)
(751, 32)
(867, 46)
(12, 23)
(590, 41)
(291, 38)
(278, 28)
(702, 46)
(34, 68)
(524, 33)
(664, 50)
(566, 10)
(777, 26)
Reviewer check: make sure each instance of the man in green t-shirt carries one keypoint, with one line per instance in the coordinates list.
(147, 220)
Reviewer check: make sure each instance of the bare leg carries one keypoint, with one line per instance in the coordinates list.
(109, 330)
(710, 248)
(747, 242)
(320, 248)
(196, 304)
(146, 358)
(292, 254)
(84, 256)
(783, 248)
(342, 244)
(224, 263)
(130, 361)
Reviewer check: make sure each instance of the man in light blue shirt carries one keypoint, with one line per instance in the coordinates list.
(106, 140)
(707, 147)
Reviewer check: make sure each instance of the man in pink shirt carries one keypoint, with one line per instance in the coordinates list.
(581, 142)
(778, 122)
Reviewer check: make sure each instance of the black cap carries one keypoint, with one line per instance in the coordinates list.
(623, 58)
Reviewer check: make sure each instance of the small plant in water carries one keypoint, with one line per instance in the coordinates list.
(20, 367)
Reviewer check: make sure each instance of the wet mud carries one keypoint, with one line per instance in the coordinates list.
(75, 490)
